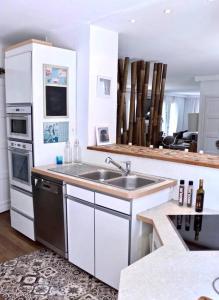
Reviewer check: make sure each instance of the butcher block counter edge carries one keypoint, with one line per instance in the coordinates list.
(104, 188)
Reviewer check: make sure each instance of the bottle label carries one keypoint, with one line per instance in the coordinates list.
(181, 196)
(199, 202)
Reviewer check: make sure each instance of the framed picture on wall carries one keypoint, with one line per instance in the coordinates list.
(104, 86)
(55, 132)
(103, 135)
(55, 91)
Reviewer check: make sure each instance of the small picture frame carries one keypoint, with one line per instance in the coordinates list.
(55, 132)
(103, 135)
(55, 91)
(104, 86)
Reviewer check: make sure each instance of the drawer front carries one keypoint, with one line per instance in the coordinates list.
(113, 203)
(22, 224)
(80, 193)
(22, 202)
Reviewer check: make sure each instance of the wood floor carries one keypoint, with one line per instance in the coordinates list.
(12, 243)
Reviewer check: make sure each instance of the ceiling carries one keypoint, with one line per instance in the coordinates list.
(187, 39)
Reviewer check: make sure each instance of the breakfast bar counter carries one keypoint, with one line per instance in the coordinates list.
(171, 271)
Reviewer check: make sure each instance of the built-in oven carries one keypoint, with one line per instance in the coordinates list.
(19, 122)
(20, 164)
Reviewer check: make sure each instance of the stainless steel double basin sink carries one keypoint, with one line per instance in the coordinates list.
(130, 182)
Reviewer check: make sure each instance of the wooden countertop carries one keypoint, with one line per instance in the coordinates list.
(26, 42)
(104, 188)
(191, 158)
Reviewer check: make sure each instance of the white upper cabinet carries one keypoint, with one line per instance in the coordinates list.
(18, 77)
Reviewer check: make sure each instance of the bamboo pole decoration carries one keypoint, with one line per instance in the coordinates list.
(140, 79)
(132, 100)
(136, 131)
(125, 134)
(143, 103)
(120, 71)
(150, 131)
(160, 109)
(122, 100)
(119, 86)
(156, 103)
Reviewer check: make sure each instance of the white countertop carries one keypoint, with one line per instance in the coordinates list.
(170, 272)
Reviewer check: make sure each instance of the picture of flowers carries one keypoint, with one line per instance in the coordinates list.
(55, 75)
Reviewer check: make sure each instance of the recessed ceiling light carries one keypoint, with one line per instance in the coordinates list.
(167, 11)
(132, 21)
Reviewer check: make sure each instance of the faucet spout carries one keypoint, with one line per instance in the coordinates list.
(125, 171)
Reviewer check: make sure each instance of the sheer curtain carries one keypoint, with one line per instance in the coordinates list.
(175, 112)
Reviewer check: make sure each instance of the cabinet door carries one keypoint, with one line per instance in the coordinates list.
(81, 235)
(156, 242)
(111, 246)
(18, 78)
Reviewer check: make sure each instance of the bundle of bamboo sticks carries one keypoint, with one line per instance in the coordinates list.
(157, 96)
(133, 130)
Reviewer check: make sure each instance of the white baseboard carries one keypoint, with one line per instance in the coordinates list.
(4, 206)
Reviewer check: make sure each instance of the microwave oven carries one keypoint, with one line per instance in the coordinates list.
(19, 122)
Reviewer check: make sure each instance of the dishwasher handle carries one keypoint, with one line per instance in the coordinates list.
(48, 186)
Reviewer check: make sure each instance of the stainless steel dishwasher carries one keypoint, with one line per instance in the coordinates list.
(50, 219)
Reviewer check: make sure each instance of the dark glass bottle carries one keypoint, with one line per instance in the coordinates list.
(190, 193)
(181, 193)
(179, 220)
(200, 197)
(187, 222)
(197, 226)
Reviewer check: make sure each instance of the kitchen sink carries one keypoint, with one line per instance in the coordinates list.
(132, 182)
(101, 175)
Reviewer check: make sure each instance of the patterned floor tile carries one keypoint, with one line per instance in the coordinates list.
(44, 275)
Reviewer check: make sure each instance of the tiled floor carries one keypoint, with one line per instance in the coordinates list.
(27, 274)
(45, 275)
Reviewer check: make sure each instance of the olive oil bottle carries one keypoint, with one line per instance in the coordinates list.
(200, 197)
(197, 226)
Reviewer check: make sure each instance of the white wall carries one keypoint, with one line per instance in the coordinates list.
(168, 170)
(101, 46)
(46, 153)
(209, 88)
(4, 184)
(103, 61)
(97, 54)
(81, 41)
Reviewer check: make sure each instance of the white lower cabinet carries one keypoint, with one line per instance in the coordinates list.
(111, 246)
(156, 242)
(22, 202)
(81, 235)
(98, 240)
(22, 224)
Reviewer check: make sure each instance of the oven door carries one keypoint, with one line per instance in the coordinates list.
(20, 164)
(19, 127)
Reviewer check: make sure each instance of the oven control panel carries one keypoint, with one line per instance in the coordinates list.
(20, 145)
(18, 109)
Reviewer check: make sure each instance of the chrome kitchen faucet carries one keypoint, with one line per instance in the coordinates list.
(125, 170)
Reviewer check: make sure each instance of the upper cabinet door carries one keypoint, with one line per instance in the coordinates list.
(18, 78)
